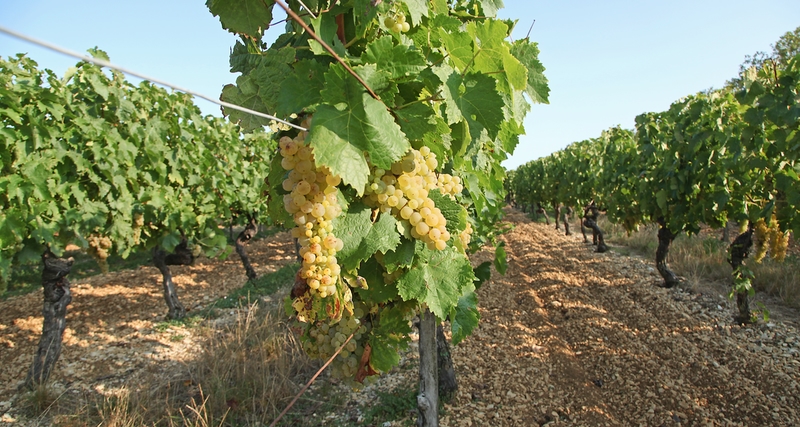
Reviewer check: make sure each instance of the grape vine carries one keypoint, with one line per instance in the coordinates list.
(410, 108)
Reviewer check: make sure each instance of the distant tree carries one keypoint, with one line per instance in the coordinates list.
(787, 47)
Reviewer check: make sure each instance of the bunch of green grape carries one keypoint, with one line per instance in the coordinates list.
(99, 246)
(404, 190)
(397, 23)
(138, 223)
(770, 239)
(313, 203)
(321, 340)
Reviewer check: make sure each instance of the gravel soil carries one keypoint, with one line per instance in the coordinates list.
(570, 337)
(567, 337)
(116, 335)
(573, 337)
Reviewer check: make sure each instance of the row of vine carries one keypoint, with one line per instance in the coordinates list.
(723, 155)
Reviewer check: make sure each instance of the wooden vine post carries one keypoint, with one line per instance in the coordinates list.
(428, 396)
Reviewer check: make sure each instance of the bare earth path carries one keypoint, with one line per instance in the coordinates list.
(571, 337)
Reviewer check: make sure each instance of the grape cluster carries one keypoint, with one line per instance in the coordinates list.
(322, 340)
(450, 185)
(313, 203)
(138, 223)
(770, 238)
(404, 190)
(397, 23)
(466, 235)
(99, 246)
(761, 233)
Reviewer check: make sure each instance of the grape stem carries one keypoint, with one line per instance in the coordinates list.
(313, 35)
(470, 62)
(311, 381)
(434, 97)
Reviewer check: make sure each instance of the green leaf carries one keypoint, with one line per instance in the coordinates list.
(170, 241)
(458, 46)
(491, 55)
(455, 214)
(379, 291)
(362, 238)
(483, 272)
(528, 54)
(389, 335)
(440, 6)
(244, 94)
(436, 278)
(473, 99)
(398, 60)
(464, 317)
(490, 7)
(500, 263)
(325, 26)
(352, 227)
(417, 9)
(661, 199)
(401, 256)
(247, 17)
(350, 124)
(301, 90)
(419, 121)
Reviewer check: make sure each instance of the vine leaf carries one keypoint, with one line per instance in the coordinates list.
(362, 237)
(528, 54)
(436, 279)
(490, 7)
(389, 336)
(472, 98)
(455, 214)
(247, 17)
(350, 124)
(398, 61)
(300, 91)
(464, 317)
(491, 54)
(417, 9)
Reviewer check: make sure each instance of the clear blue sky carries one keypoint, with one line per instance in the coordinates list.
(607, 61)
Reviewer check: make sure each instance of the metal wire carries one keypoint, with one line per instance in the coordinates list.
(107, 64)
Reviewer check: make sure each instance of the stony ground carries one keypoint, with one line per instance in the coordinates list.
(116, 334)
(567, 337)
(573, 337)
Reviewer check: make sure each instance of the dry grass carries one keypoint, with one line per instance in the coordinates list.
(248, 372)
(702, 260)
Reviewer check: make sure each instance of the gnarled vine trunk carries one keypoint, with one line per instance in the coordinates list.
(181, 256)
(244, 237)
(566, 216)
(447, 374)
(543, 211)
(583, 231)
(558, 213)
(428, 397)
(57, 297)
(590, 215)
(665, 237)
(737, 252)
(726, 234)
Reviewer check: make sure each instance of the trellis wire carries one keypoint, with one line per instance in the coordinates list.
(104, 63)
